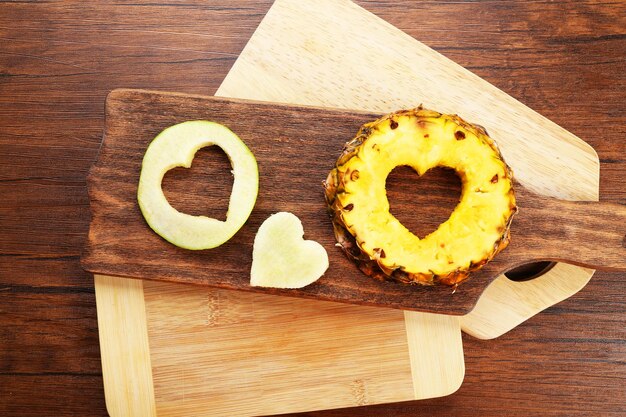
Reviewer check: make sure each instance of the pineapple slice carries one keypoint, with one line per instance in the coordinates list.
(281, 258)
(176, 146)
(381, 246)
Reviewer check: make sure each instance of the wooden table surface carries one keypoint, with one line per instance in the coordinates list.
(58, 60)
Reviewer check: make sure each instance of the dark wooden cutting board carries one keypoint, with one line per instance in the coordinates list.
(295, 149)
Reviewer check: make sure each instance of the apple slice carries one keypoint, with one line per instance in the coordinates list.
(281, 258)
(176, 146)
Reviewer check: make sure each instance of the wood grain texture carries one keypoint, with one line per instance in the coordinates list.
(126, 366)
(519, 301)
(250, 354)
(59, 59)
(436, 353)
(121, 244)
(586, 233)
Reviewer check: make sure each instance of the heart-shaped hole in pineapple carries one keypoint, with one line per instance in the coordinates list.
(205, 188)
(439, 189)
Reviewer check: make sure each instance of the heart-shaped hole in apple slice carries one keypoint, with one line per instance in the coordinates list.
(205, 188)
(281, 258)
(438, 188)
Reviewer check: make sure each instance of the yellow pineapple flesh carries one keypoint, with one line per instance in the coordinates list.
(422, 139)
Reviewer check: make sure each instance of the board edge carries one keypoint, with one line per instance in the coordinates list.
(126, 362)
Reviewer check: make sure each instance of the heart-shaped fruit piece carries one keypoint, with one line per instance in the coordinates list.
(281, 258)
(176, 146)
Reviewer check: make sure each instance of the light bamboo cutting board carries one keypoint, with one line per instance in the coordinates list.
(171, 349)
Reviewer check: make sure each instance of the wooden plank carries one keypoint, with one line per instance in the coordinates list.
(65, 394)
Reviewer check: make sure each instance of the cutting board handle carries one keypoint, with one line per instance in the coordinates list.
(585, 233)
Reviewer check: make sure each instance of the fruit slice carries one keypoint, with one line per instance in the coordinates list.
(176, 146)
(281, 258)
(382, 247)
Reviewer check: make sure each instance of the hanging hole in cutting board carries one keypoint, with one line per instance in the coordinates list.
(439, 189)
(529, 271)
(203, 189)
